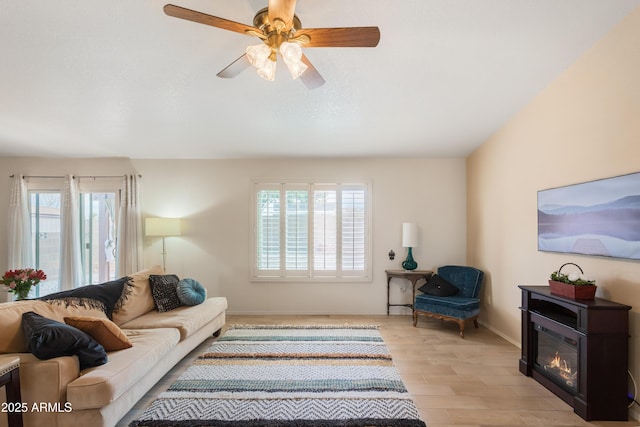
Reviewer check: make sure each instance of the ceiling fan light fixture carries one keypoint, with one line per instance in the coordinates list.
(258, 55)
(277, 25)
(296, 68)
(268, 70)
(290, 51)
(292, 55)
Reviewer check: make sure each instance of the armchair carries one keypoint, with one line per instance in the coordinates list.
(463, 306)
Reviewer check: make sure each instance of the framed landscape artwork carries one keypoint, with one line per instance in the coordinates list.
(593, 218)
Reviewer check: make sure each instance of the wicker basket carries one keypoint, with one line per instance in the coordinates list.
(568, 290)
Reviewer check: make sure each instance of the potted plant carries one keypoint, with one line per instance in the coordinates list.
(20, 281)
(572, 285)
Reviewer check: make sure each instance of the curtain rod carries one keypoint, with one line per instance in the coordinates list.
(74, 176)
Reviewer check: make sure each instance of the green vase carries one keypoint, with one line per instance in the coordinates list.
(409, 263)
(21, 293)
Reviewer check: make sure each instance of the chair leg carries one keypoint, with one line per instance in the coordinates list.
(460, 322)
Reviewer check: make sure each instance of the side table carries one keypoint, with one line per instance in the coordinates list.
(411, 275)
(10, 379)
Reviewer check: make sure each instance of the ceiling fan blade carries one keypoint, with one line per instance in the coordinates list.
(341, 37)
(235, 68)
(284, 10)
(311, 77)
(203, 18)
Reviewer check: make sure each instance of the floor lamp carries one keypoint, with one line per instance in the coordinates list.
(162, 227)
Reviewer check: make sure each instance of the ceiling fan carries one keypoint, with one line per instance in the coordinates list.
(281, 32)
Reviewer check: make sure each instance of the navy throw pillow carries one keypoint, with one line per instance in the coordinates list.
(105, 296)
(47, 338)
(438, 286)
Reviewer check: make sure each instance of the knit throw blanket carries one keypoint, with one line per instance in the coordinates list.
(286, 376)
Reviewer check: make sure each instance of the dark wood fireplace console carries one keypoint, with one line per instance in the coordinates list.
(598, 331)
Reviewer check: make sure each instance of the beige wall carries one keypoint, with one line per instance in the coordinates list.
(214, 196)
(584, 126)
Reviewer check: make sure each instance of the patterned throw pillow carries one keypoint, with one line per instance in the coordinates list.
(164, 291)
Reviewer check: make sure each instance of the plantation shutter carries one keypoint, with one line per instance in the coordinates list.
(353, 230)
(268, 230)
(311, 230)
(325, 229)
(297, 229)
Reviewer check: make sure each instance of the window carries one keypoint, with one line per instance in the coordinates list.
(97, 233)
(98, 237)
(312, 231)
(45, 238)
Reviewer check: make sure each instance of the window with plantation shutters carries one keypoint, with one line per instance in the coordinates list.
(311, 231)
(353, 230)
(268, 228)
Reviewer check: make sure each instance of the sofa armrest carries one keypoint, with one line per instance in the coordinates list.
(46, 380)
(43, 387)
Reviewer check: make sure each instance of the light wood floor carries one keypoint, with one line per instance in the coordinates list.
(454, 382)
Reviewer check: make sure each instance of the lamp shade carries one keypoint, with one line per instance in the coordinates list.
(292, 56)
(409, 235)
(162, 227)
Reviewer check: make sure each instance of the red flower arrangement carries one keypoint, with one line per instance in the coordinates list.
(20, 281)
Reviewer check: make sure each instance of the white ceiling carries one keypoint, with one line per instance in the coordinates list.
(87, 78)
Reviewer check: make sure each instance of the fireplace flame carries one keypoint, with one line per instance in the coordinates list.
(563, 369)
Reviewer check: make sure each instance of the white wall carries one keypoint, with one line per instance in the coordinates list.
(214, 196)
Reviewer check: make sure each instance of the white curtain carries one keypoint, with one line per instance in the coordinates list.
(70, 258)
(129, 243)
(19, 232)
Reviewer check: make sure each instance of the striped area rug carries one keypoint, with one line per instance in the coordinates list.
(286, 376)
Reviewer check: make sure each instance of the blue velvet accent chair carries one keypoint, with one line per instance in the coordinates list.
(463, 306)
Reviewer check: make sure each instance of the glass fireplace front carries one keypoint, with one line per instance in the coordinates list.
(557, 357)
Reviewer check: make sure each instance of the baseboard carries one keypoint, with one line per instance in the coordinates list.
(500, 334)
(306, 313)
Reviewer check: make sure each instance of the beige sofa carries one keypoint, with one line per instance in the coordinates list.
(102, 395)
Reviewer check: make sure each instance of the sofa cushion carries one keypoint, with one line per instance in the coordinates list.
(11, 335)
(136, 296)
(439, 286)
(187, 319)
(99, 387)
(47, 338)
(105, 296)
(424, 301)
(448, 311)
(164, 291)
(104, 331)
(191, 292)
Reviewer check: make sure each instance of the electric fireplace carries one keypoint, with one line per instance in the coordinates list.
(578, 349)
(557, 355)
